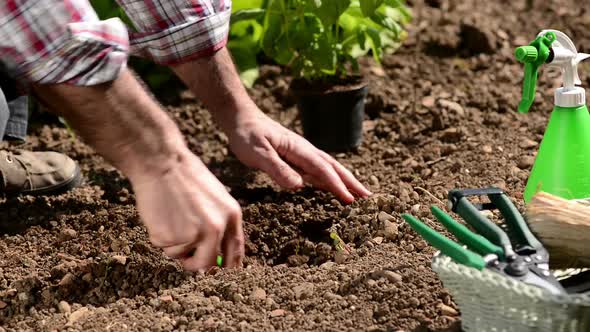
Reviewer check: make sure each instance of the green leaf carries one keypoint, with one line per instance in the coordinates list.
(368, 7)
(388, 23)
(249, 77)
(249, 30)
(247, 14)
(400, 13)
(272, 27)
(360, 35)
(324, 55)
(283, 54)
(317, 3)
(330, 10)
(238, 5)
(375, 42)
(303, 32)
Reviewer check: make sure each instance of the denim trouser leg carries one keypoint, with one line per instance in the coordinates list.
(14, 116)
(16, 128)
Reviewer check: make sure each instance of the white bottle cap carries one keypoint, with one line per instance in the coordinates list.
(574, 97)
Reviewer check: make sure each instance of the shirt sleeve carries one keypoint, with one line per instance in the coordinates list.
(175, 31)
(53, 41)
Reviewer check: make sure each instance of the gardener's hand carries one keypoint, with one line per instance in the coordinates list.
(257, 140)
(289, 159)
(190, 215)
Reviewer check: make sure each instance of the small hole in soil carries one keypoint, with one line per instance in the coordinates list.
(294, 228)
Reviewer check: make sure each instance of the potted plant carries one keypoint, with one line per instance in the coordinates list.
(319, 41)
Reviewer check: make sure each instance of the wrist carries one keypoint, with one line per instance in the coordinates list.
(231, 116)
(146, 158)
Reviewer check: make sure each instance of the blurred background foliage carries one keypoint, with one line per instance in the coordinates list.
(365, 26)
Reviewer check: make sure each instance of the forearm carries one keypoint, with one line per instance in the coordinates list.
(120, 121)
(215, 81)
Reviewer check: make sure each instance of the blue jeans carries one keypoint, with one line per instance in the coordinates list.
(14, 109)
(14, 116)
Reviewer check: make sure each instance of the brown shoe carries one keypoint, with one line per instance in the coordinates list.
(37, 173)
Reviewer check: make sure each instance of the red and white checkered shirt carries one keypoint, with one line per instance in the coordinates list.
(63, 41)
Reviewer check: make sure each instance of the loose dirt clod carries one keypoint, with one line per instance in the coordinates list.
(391, 276)
(258, 294)
(303, 291)
(68, 234)
(390, 231)
(77, 315)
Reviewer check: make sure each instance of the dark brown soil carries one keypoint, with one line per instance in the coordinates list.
(441, 115)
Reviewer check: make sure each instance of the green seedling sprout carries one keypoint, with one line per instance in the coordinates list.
(339, 244)
(219, 260)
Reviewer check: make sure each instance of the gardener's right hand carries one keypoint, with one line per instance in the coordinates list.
(190, 214)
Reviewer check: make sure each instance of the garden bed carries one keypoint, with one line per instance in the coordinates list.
(441, 115)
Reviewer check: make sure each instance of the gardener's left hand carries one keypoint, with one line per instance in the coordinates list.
(289, 159)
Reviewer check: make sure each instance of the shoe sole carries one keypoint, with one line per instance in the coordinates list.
(61, 188)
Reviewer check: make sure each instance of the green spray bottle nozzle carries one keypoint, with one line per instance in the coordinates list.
(533, 56)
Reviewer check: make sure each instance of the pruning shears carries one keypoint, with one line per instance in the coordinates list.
(509, 248)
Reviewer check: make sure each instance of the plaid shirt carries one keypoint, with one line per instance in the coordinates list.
(63, 41)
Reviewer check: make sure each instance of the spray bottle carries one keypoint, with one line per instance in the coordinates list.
(562, 165)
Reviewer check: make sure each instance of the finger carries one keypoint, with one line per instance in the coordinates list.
(349, 180)
(233, 244)
(280, 171)
(309, 159)
(179, 251)
(206, 250)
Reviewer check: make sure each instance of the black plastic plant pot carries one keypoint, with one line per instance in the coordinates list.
(332, 115)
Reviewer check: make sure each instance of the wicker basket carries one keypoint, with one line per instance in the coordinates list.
(492, 302)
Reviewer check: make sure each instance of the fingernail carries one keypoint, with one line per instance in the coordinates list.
(296, 181)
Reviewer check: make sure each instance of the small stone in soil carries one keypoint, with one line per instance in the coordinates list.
(384, 216)
(328, 265)
(119, 259)
(277, 313)
(487, 149)
(428, 101)
(378, 240)
(391, 276)
(452, 106)
(258, 294)
(414, 302)
(3, 304)
(271, 304)
(332, 297)
(77, 315)
(390, 231)
(238, 297)
(374, 181)
(526, 162)
(374, 328)
(447, 310)
(67, 280)
(64, 307)
(166, 298)
(528, 143)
